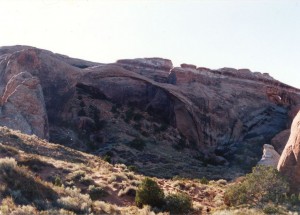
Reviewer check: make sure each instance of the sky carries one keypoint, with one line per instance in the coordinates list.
(260, 35)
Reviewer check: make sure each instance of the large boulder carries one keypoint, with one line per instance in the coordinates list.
(270, 156)
(289, 163)
(280, 140)
(22, 106)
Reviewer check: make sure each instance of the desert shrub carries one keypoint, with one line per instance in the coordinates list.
(7, 206)
(34, 163)
(107, 158)
(25, 188)
(7, 164)
(86, 181)
(177, 177)
(129, 191)
(178, 203)
(101, 207)
(118, 177)
(203, 180)
(130, 175)
(221, 182)
(24, 209)
(97, 193)
(77, 175)
(236, 195)
(149, 193)
(262, 185)
(75, 201)
(57, 181)
(8, 150)
(137, 144)
(13, 136)
(180, 184)
(132, 168)
(56, 212)
(270, 209)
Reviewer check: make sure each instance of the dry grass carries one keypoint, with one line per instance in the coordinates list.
(37, 162)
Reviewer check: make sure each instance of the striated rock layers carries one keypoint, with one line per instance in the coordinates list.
(289, 161)
(220, 114)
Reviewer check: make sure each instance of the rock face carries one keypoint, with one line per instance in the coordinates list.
(280, 140)
(289, 161)
(214, 116)
(270, 156)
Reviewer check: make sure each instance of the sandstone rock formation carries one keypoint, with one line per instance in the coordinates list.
(289, 161)
(279, 140)
(216, 116)
(270, 156)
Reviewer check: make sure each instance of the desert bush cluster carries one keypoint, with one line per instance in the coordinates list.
(24, 193)
(264, 184)
(149, 193)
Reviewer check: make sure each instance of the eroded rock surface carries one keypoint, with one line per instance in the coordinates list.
(279, 141)
(270, 156)
(289, 161)
(213, 116)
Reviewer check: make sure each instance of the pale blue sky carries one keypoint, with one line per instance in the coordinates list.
(261, 35)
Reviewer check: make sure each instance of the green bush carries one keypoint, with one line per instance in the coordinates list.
(264, 184)
(149, 193)
(132, 168)
(57, 181)
(270, 209)
(107, 158)
(236, 195)
(97, 193)
(77, 175)
(178, 203)
(86, 181)
(204, 180)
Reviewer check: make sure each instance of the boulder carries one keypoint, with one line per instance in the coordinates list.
(270, 156)
(23, 106)
(280, 140)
